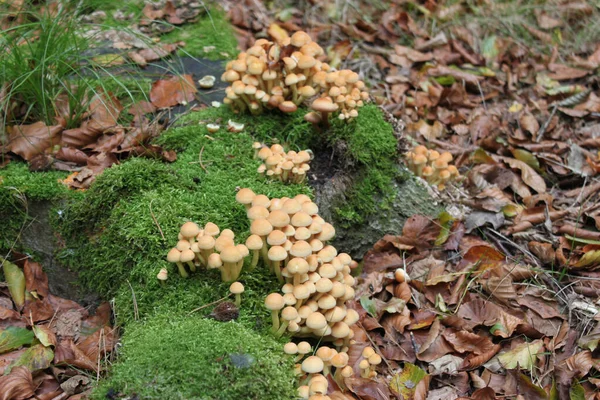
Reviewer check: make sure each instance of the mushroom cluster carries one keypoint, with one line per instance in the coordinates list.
(432, 166)
(316, 367)
(208, 248)
(283, 75)
(287, 167)
(369, 361)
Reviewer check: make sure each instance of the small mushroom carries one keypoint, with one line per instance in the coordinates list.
(212, 128)
(234, 127)
(275, 302)
(174, 256)
(237, 289)
(162, 276)
(207, 82)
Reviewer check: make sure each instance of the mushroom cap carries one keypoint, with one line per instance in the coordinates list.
(335, 314)
(187, 255)
(163, 274)
(297, 265)
(312, 117)
(301, 292)
(211, 229)
(312, 365)
(245, 196)
(214, 261)
(278, 218)
(347, 371)
(302, 233)
(375, 359)
(189, 229)
(254, 242)
(243, 250)
(264, 153)
(289, 313)
(301, 249)
(323, 285)
(274, 302)
(327, 233)
(306, 61)
(287, 106)
(290, 348)
(340, 330)
(304, 347)
(316, 320)
(182, 245)
(327, 271)
(310, 208)
(301, 219)
(324, 104)
(302, 198)
(173, 255)
(277, 253)
(206, 242)
(261, 227)
(289, 298)
(291, 206)
(316, 245)
(276, 238)
(352, 317)
(257, 212)
(223, 241)
(327, 302)
(299, 39)
(327, 254)
(230, 254)
(236, 288)
(261, 199)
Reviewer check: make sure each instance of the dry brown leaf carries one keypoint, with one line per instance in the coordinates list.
(528, 174)
(463, 341)
(30, 140)
(67, 353)
(173, 91)
(18, 385)
(36, 280)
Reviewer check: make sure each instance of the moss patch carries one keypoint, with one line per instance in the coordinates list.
(194, 358)
(371, 150)
(211, 31)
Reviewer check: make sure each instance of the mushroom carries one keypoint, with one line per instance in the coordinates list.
(230, 256)
(207, 82)
(245, 196)
(162, 276)
(174, 256)
(189, 231)
(324, 105)
(275, 302)
(254, 243)
(237, 289)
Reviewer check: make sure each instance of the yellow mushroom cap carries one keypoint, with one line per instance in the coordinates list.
(189, 230)
(254, 242)
(375, 359)
(257, 212)
(245, 196)
(324, 104)
(214, 261)
(182, 245)
(163, 274)
(297, 265)
(316, 320)
(261, 200)
(261, 227)
(352, 317)
(278, 218)
(276, 238)
(223, 241)
(230, 254)
(304, 348)
(274, 302)
(364, 364)
(290, 348)
(211, 229)
(236, 288)
(277, 253)
(347, 371)
(301, 249)
(312, 365)
(289, 313)
(187, 255)
(174, 255)
(206, 242)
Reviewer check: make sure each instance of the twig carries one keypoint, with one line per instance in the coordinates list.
(200, 159)
(542, 130)
(136, 315)
(155, 221)
(208, 305)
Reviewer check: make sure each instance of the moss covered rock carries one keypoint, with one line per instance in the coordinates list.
(195, 358)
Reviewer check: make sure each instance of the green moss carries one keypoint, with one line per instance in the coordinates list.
(372, 151)
(211, 30)
(194, 358)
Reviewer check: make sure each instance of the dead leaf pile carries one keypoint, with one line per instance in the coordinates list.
(101, 140)
(45, 341)
(161, 18)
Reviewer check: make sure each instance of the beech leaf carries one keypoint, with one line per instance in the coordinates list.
(15, 278)
(522, 356)
(528, 174)
(405, 383)
(13, 337)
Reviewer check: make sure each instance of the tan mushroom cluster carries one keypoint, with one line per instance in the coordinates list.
(368, 362)
(314, 367)
(316, 279)
(283, 75)
(208, 248)
(432, 166)
(287, 167)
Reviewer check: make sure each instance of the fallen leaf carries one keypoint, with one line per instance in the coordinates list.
(30, 140)
(35, 358)
(522, 356)
(173, 91)
(18, 385)
(15, 278)
(528, 174)
(12, 338)
(405, 383)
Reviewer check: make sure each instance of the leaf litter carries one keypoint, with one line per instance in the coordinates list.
(501, 300)
(50, 340)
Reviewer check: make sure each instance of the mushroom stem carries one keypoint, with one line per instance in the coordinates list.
(230, 270)
(192, 266)
(238, 299)
(275, 265)
(254, 262)
(182, 270)
(325, 118)
(282, 328)
(275, 317)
